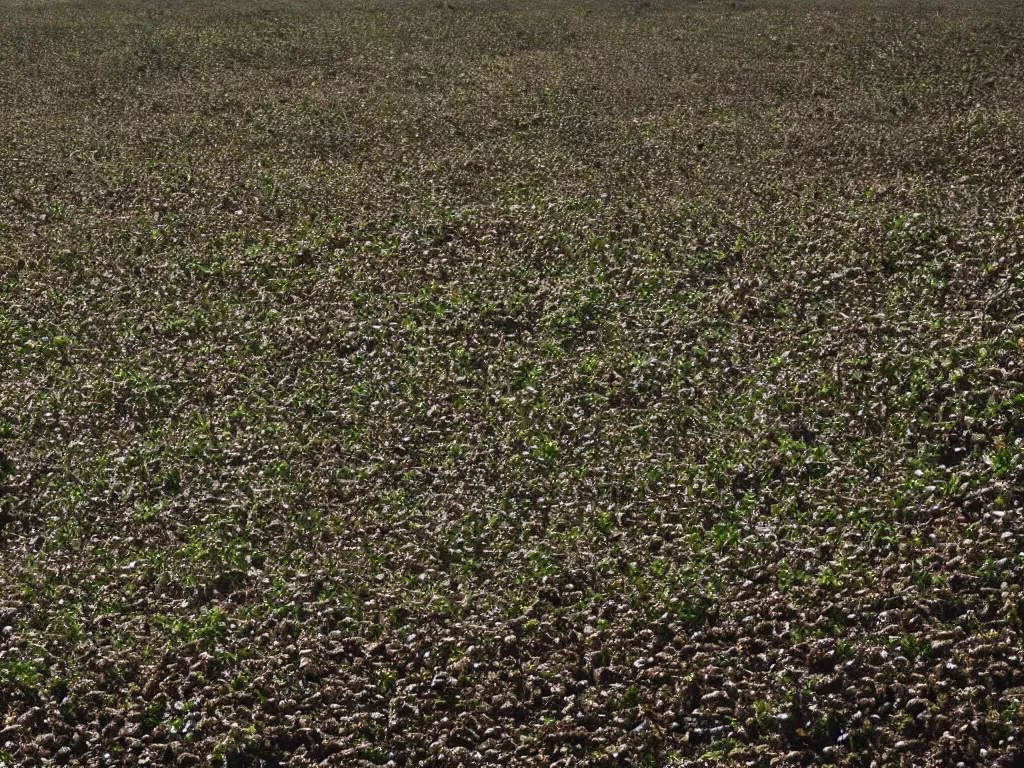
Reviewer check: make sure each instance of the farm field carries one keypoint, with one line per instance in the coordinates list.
(535, 384)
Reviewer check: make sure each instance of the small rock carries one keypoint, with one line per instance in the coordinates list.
(917, 705)
(30, 718)
(715, 697)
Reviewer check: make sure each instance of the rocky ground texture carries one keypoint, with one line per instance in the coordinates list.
(412, 384)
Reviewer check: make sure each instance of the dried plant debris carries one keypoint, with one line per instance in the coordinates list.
(554, 384)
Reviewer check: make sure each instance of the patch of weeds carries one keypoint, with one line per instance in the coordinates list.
(152, 715)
